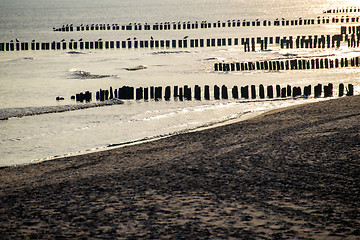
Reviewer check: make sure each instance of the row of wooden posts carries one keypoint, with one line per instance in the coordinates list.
(204, 24)
(293, 64)
(314, 41)
(185, 92)
(343, 10)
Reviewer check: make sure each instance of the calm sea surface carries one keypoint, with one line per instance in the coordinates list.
(33, 79)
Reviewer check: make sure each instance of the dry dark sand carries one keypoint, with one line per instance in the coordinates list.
(292, 173)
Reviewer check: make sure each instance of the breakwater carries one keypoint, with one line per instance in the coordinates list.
(288, 64)
(350, 36)
(187, 93)
(189, 25)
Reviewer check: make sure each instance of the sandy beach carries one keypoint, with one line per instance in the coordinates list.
(287, 174)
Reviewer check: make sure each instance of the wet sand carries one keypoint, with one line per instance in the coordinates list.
(292, 173)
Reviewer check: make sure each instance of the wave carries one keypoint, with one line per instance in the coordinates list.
(7, 113)
(29, 58)
(75, 53)
(80, 74)
(169, 52)
(211, 58)
(140, 67)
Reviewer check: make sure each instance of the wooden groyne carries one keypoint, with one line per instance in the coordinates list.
(288, 64)
(349, 35)
(186, 93)
(343, 10)
(188, 25)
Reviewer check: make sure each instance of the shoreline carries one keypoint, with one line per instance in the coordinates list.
(241, 117)
(287, 173)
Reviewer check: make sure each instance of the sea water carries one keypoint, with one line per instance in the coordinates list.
(31, 80)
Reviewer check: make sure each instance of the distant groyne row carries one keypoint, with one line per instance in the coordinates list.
(205, 25)
(250, 44)
(293, 64)
(343, 10)
(179, 93)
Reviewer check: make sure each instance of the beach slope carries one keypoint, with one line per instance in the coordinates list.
(291, 173)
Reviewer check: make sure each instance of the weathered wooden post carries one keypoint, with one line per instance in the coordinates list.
(296, 92)
(152, 92)
(350, 90)
(207, 92)
(317, 90)
(158, 93)
(220, 67)
(278, 91)
(139, 93)
(111, 93)
(102, 95)
(235, 92)
(270, 92)
(307, 90)
(341, 89)
(253, 44)
(167, 93)
(216, 92)
(224, 92)
(197, 93)
(245, 92)
(288, 90)
(187, 93)
(328, 90)
(79, 97)
(181, 94)
(88, 96)
(261, 91)
(176, 92)
(253, 92)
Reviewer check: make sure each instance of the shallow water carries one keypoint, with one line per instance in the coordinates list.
(35, 78)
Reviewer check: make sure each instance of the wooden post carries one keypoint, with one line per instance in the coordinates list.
(197, 93)
(167, 93)
(278, 91)
(270, 92)
(307, 90)
(139, 93)
(317, 90)
(216, 67)
(158, 93)
(216, 92)
(235, 92)
(253, 92)
(152, 92)
(187, 93)
(341, 89)
(288, 90)
(207, 92)
(176, 92)
(261, 91)
(224, 92)
(181, 94)
(245, 92)
(328, 90)
(350, 90)
(111, 93)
